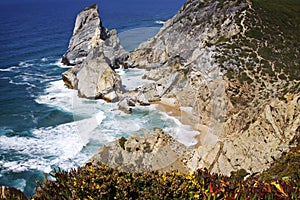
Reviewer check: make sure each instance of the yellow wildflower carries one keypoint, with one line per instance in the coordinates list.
(164, 177)
(91, 168)
(279, 188)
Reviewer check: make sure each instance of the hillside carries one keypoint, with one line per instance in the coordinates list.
(235, 64)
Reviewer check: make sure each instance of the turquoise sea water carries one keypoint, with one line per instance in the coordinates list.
(43, 125)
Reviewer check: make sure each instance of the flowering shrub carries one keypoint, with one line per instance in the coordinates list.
(103, 182)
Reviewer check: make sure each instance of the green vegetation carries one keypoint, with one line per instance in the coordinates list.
(282, 181)
(268, 51)
(122, 141)
(288, 167)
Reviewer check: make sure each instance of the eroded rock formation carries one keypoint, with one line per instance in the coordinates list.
(244, 101)
(153, 150)
(94, 51)
(228, 66)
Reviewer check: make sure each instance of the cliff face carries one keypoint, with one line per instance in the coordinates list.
(236, 65)
(230, 67)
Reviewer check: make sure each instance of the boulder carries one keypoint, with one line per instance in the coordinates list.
(69, 77)
(97, 80)
(125, 105)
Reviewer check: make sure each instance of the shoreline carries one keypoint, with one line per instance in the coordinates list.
(184, 117)
(176, 111)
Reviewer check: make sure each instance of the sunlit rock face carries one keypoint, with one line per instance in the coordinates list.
(222, 60)
(93, 51)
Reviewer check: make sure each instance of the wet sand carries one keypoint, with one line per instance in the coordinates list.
(186, 118)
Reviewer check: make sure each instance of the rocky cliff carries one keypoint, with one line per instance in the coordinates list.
(231, 68)
(235, 66)
(153, 150)
(94, 52)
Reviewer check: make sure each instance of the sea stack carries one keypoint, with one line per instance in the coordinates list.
(93, 52)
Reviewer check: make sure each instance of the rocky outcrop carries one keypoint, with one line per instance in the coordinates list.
(11, 193)
(253, 148)
(94, 51)
(87, 34)
(87, 31)
(153, 150)
(97, 80)
(224, 63)
(211, 58)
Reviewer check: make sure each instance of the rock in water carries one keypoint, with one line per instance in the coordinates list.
(88, 29)
(94, 52)
(97, 80)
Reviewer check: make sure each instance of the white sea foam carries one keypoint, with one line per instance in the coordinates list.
(182, 133)
(26, 63)
(44, 59)
(58, 95)
(50, 146)
(122, 125)
(21, 83)
(132, 78)
(61, 65)
(160, 22)
(10, 69)
(120, 71)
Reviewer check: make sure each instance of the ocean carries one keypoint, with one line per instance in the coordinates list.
(44, 125)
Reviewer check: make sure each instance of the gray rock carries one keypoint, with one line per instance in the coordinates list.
(69, 77)
(94, 51)
(153, 150)
(113, 50)
(125, 105)
(97, 80)
(87, 31)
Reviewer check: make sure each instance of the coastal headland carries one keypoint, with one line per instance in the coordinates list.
(245, 119)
